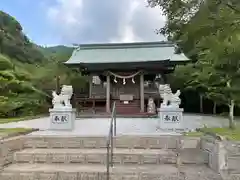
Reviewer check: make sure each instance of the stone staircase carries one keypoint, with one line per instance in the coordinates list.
(84, 158)
(132, 108)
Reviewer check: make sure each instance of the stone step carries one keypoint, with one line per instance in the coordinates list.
(233, 163)
(95, 156)
(128, 111)
(128, 106)
(130, 103)
(98, 172)
(124, 141)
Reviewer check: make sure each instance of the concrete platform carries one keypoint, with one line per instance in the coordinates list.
(100, 126)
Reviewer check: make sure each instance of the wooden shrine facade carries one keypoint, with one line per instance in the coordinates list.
(126, 73)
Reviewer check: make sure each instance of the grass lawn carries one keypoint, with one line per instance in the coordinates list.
(16, 119)
(13, 131)
(226, 132)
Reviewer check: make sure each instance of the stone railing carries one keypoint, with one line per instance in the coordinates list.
(191, 152)
(8, 147)
(233, 157)
(217, 153)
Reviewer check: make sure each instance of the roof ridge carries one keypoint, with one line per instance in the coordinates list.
(126, 52)
(126, 45)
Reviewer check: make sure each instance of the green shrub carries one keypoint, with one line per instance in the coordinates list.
(5, 63)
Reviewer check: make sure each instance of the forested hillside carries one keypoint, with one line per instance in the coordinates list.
(207, 32)
(28, 71)
(14, 43)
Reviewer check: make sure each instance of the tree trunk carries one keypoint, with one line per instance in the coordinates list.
(231, 115)
(214, 107)
(57, 84)
(201, 103)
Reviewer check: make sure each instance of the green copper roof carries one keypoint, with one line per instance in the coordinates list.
(125, 52)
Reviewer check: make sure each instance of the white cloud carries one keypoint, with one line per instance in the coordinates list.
(85, 21)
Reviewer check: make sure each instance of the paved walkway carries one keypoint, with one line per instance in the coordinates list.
(100, 126)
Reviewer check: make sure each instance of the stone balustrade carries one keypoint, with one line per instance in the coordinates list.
(8, 148)
(217, 154)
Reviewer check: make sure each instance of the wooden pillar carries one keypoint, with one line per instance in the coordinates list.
(164, 77)
(90, 85)
(142, 92)
(108, 95)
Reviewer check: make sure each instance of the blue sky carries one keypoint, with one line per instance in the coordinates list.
(52, 22)
(31, 15)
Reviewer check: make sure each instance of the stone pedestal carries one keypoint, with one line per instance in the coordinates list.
(62, 118)
(171, 118)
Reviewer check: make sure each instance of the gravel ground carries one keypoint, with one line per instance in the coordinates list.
(100, 126)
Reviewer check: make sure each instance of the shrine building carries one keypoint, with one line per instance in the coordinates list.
(123, 72)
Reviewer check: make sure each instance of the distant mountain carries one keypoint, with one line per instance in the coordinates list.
(59, 53)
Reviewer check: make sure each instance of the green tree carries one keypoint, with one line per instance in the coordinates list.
(222, 50)
(208, 32)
